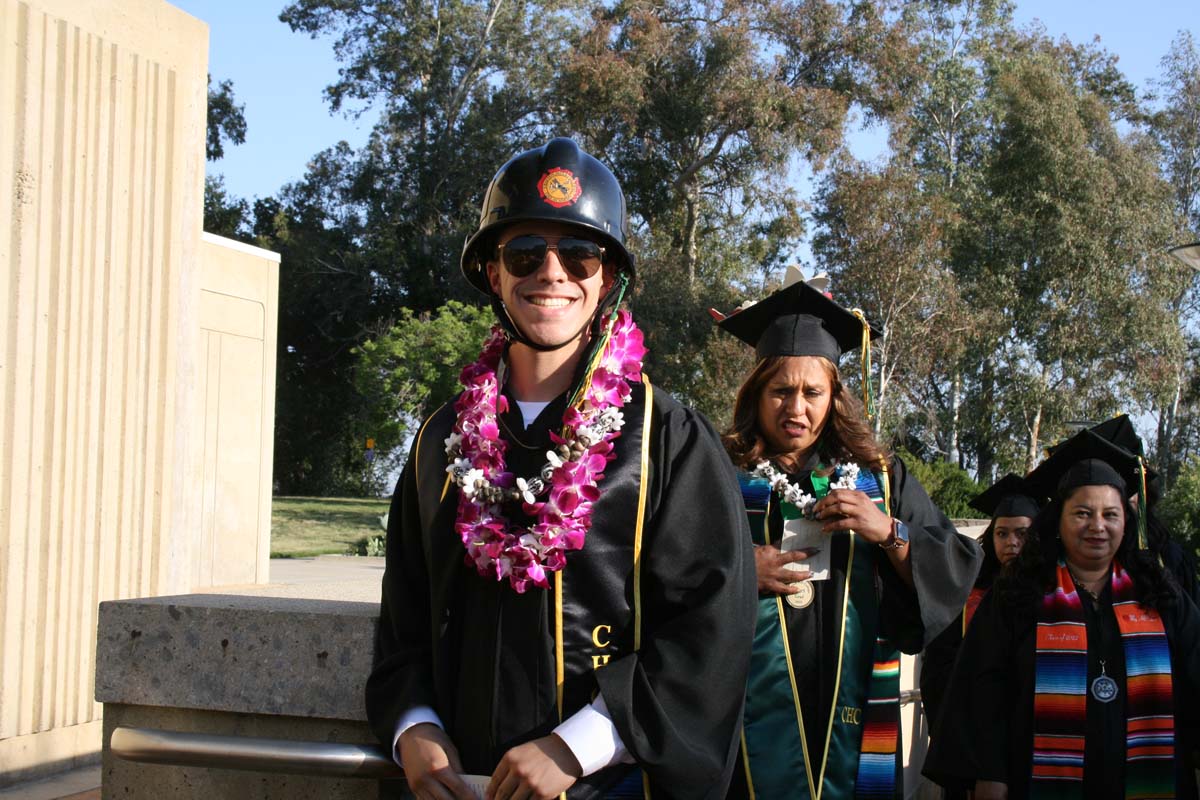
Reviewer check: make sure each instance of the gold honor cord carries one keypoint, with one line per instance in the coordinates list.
(865, 362)
(417, 451)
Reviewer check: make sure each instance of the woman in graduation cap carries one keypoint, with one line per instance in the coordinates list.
(1010, 504)
(1069, 676)
(854, 561)
(1178, 562)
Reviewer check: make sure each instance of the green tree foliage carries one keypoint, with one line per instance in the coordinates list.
(1180, 507)
(460, 86)
(1011, 242)
(884, 242)
(407, 372)
(704, 109)
(1062, 247)
(329, 302)
(949, 486)
(1175, 126)
(226, 120)
(224, 214)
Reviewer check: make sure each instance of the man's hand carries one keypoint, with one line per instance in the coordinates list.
(850, 509)
(431, 764)
(773, 576)
(537, 770)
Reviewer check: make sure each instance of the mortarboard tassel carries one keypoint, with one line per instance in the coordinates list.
(865, 360)
(598, 351)
(1141, 528)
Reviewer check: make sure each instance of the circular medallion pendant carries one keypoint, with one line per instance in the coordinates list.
(804, 597)
(1104, 689)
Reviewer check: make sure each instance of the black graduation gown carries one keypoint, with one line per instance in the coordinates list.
(937, 664)
(483, 656)
(985, 731)
(944, 564)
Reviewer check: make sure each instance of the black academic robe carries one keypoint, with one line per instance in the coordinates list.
(484, 657)
(985, 731)
(937, 664)
(944, 564)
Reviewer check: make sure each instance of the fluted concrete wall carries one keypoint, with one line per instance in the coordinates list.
(102, 116)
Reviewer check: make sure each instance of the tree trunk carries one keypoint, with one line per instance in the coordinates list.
(1035, 429)
(955, 406)
(1167, 456)
(985, 452)
(689, 237)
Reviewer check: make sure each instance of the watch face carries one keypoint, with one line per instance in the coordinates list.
(901, 531)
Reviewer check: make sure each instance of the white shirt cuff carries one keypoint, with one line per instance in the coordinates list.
(414, 716)
(592, 738)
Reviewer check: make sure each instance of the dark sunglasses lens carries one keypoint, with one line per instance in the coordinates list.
(523, 255)
(581, 257)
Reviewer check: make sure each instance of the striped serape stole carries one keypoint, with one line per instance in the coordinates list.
(1061, 685)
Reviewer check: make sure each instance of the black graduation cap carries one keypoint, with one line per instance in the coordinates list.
(798, 320)
(1119, 430)
(1011, 496)
(1087, 459)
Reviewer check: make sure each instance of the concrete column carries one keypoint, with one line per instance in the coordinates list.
(102, 124)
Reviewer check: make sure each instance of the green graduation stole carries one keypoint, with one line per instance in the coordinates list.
(864, 727)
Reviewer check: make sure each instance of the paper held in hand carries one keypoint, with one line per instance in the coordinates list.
(806, 534)
(476, 783)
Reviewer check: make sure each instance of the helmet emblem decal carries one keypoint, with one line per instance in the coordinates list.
(559, 187)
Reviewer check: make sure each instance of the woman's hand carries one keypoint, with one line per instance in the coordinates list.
(431, 764)
(850, 509)
(774, 576)
(991, 790)
(537, 770)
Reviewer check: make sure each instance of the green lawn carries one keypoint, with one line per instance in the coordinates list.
(312, 526)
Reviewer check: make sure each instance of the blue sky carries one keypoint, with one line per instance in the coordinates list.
(280, 75)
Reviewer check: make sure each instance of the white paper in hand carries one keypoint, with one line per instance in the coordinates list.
(476, 783)
(806, 534)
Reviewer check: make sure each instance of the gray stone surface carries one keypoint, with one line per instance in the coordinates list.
(250, 653)
(129, 780)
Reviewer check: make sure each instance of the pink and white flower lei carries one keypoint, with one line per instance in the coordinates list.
(527, 554)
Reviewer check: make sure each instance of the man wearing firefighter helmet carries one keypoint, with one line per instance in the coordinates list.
(569, 592)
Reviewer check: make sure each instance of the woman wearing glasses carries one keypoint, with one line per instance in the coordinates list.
(854, 562)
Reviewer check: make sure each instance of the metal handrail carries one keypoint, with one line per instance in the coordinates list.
(177, 748)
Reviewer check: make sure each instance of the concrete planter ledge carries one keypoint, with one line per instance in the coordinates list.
(265, 664)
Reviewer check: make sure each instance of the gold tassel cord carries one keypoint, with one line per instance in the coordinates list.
(601, 346)
(1142, 504)
(865, 361)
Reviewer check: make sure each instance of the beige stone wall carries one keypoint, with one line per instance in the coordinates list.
(102, 112)
(239, 298)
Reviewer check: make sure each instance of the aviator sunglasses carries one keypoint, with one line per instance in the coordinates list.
(523, 255)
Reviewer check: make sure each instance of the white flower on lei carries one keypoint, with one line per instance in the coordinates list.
(469, 479)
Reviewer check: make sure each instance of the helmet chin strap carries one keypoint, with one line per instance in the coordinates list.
(602, 308)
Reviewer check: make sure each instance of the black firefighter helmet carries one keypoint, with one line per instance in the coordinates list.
(556, 182)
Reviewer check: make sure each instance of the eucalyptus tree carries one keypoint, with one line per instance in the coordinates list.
(708, 111)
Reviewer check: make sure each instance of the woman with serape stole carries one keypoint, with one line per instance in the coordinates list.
(855, 564)
(1069, 677)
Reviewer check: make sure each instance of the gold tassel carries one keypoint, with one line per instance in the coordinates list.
(865, 361)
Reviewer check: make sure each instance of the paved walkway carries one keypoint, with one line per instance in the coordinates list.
(357, 577)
